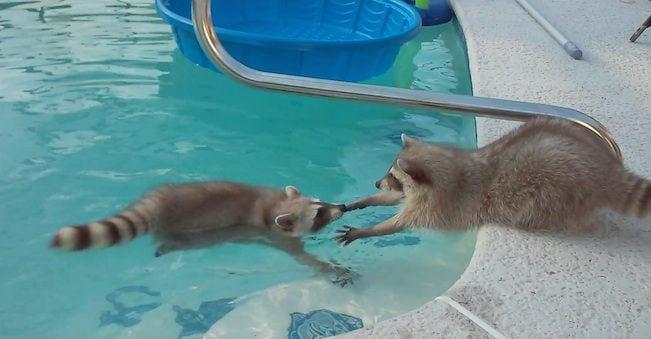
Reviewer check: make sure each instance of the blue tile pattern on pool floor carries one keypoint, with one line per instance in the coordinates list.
(199, 322)
(124, 315)
(321, 324)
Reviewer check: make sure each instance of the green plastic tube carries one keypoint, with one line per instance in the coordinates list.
(422, 4)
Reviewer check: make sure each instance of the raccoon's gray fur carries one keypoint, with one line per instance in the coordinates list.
(201, 214)
(547, 173)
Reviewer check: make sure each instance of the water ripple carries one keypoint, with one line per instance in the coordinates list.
(72, 142)
(118, 176)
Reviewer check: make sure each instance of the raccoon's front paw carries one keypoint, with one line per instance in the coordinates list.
(344, 276)
(351, 207)
(348, 234)
(354, 206)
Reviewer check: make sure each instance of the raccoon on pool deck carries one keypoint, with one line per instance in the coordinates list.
(201, 214)
(548, 173)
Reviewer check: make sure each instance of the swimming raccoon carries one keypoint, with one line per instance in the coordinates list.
(194, 215)
(548, 173)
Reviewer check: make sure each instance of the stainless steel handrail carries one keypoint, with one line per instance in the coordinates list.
(470, 105)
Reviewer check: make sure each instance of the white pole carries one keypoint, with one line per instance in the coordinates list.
(484, 325)
(568, 45)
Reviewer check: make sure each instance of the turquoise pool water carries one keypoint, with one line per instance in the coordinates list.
(97, 106)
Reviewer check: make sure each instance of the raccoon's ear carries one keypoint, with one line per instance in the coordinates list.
(285, 221)
(292, 192)
(413, 170)
(407, 140)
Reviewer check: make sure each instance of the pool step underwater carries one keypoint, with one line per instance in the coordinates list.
(129, 305)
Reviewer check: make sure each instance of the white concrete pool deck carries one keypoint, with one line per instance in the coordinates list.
(595, 285)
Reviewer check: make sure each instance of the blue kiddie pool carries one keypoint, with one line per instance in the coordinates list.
(349, 40)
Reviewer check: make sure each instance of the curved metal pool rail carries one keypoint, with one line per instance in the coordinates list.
(469, 105)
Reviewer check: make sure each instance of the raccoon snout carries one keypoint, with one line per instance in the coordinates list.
(337, 212)
(378, 183)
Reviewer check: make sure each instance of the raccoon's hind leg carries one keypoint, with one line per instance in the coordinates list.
(166, 248)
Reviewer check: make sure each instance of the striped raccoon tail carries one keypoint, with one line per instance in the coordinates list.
(637, 199)
(135, 221)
